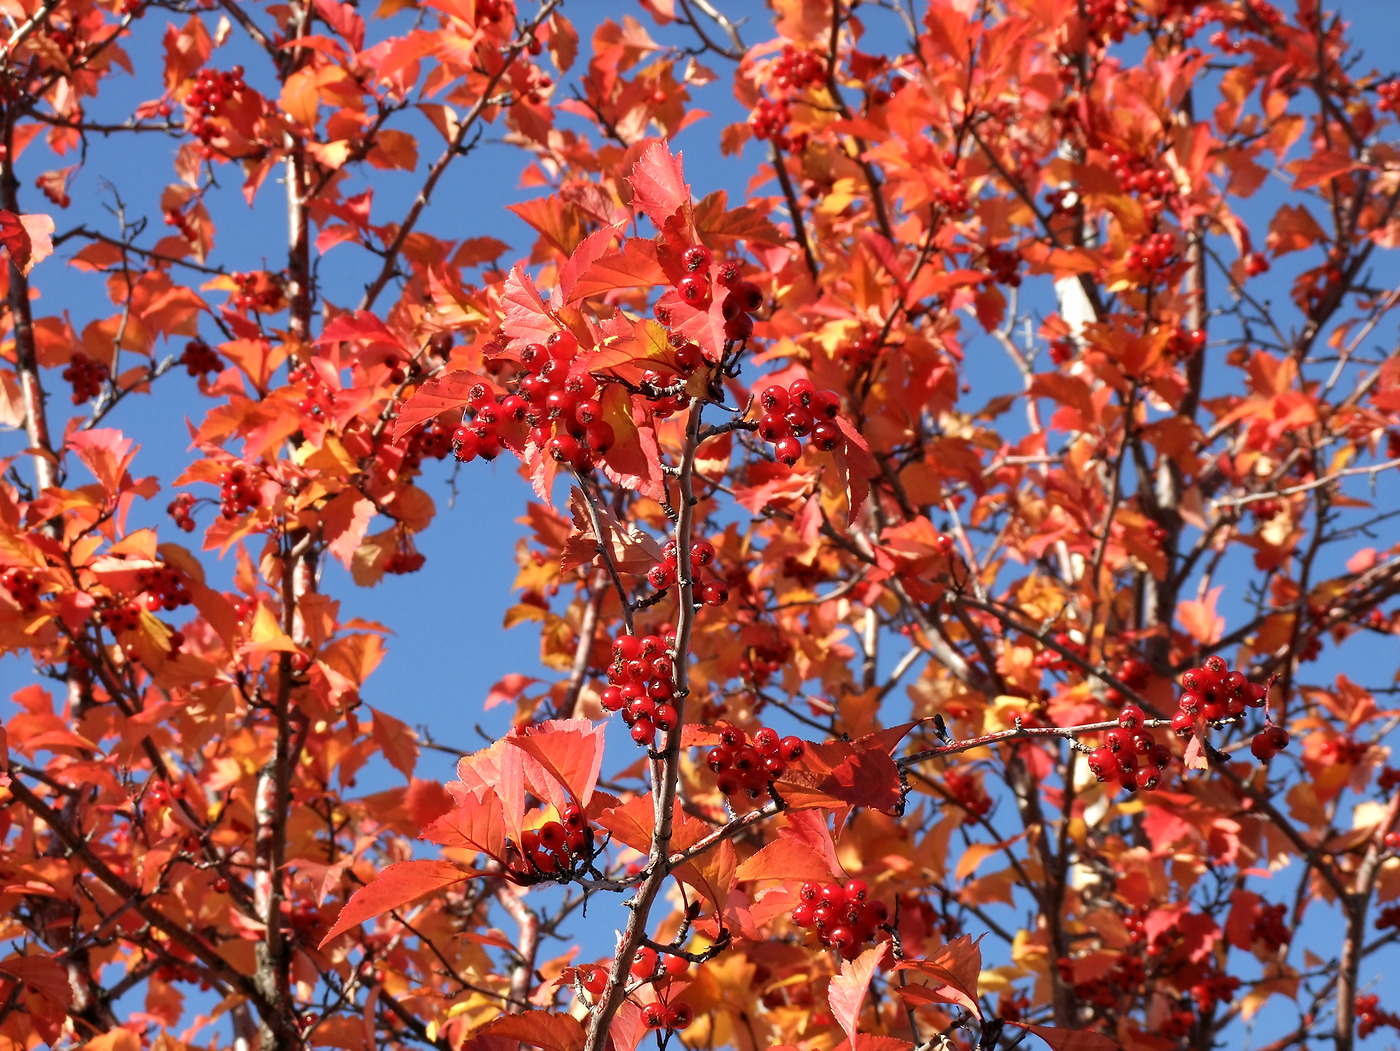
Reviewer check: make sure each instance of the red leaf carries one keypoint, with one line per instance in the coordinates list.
(631, 552)
(44, 974)
(1069, 1039)
(553, 1032)
(476, 823)
(786, 859)
(438, 395)
(846, 993)
(955, 968)
(398, 885)
(593, 247)
(658, 184)
(27, 238)
(526, 316)
(570, 751)
(633, 267)
(398, 743)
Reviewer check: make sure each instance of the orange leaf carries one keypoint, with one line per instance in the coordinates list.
(44, 974)
(955, 968)
(398, 743)
(475, 824)
(846, 994)
(786, 859)
(1200, 618)
(435, 397)
(398, 885)
(546, 1029)
(630, 552)
(658, 184)
(526, 316)
(569, 750)
(27, 238)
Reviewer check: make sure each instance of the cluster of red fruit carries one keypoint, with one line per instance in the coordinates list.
(769, 122)
(200, 358)
(87, 377)
(741, 297)
(1270, 928)
(797, 68)
(120, 618)
(642, 684)
(1214, 692)
(1186, 343)
(404, 559)
(1153, 255)
(319, 397)
(953, 198)
(1001, 266)
(702, 553)
(556, 846)
(796, 411)
(844, 917)
(1109, 19)
(1130, 754)
(23, 587)
(205, 101)
(658, 969)
(550, 410)
(180, 220)
(433, 442)
(1054, 659)
(1136, 176)
(257, 290)
(745, 765)
(238, 492)
(1389, 93)
(164, 588)
(1370, 1017)
(1256, 263)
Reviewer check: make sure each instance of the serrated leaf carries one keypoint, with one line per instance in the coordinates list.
(846, 993)
(545, 1029)
(658, 184)
(398, 885)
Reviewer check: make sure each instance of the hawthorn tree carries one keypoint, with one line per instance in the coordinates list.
(961, 566)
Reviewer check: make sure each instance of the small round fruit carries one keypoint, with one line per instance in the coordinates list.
(693, 289)
(788, 451)
(696, 257)
(1131, 717)
(791, 749)
(644, 962)
(654, 1016)
(679, 1015)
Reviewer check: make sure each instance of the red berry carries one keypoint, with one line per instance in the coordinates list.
(694, 289)
(644, 962)
(788, 451)
(654, 1016)
(1131, 716)
(696, 257)
(679, 1015)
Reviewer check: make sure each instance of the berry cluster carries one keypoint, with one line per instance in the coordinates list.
(1213, 692)
(433, 442)
(844, 917)
(797, 68)
(87, 377)
(121, 617)
(319, 397)
(1001, 267)
(1108, 19)
(1062, 350)
(769, 122)
(741, 297)
(658, 969)
(401, 562)
(796, 411)
(556, 846)
(550, 409)
(1136, 176)
(1270, 929)
(750, 766)
(967, 792)
(953, 198)
(206, 100)
(1054, 659)
(178, 219)
(1370, 1017)
(257, 290)
(1186, 343)
(200, 358)
(238, 492)
(1389, 93)
(1268, 742)
(164, 588)
(702, 553)
(642, 684)
(1153, 255)
(1130, 753)
(23, 587)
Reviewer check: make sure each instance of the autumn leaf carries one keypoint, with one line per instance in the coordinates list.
(544, 1029)
(398, 743)
(629, 551)
(440, 394)
(954, 970)
(28, 239)
(569, 751)
(658, 184)
(846, 993)
(398, 885)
